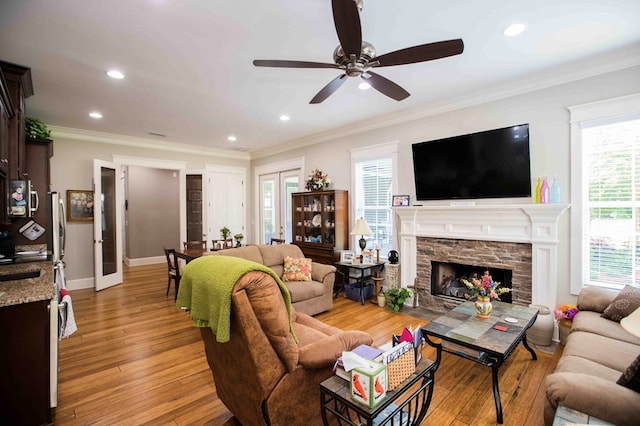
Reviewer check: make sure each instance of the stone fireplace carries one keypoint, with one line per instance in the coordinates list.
(521, 238)
(508, 263)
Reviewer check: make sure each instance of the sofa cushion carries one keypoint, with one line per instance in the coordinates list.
(592, 322)
(304, 290)
(603, 350)
(296, 269)
(627, 301)
(273, 255)
(631, 376)
(247, 252)
(578, 364)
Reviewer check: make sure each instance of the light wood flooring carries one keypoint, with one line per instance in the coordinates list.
(136, 360)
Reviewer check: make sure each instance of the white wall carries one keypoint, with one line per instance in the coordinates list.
(72, 168)
(545, 110)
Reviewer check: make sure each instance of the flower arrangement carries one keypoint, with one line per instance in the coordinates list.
(566, 312)
(317, 181)
(484, 286)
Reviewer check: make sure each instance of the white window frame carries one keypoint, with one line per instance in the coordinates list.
(606, 109)
(369, 153)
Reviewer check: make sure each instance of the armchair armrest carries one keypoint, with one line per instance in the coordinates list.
(325, 352)
(319, 271)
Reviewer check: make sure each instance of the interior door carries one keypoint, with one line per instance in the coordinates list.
(225, 203)
(275, 204)
(107, 217)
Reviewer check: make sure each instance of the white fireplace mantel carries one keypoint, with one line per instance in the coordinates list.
(536, 224)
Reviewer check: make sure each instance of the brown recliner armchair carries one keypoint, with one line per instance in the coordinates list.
(262, 374)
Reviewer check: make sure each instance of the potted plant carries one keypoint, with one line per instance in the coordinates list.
(238, 238)
(225, 233)
(396, 298)
(36, 129)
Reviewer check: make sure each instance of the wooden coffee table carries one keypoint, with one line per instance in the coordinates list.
(464, 335)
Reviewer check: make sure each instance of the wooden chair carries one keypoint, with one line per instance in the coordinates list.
(173, 270)
(195, 245)
(277, 241)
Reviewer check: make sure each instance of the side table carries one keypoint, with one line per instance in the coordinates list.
(335, 399)
(364, 269)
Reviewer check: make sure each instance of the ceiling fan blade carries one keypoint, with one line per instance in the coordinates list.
(292, 64)
(421, 53)
(329, 89)
(347, 21)
(385, 86)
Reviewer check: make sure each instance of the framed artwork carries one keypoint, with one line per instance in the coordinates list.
(79, 205)
(400, 201)
(346, 256)
(367, 257)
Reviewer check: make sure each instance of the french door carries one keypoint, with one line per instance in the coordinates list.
(275, 204)
(107, 218)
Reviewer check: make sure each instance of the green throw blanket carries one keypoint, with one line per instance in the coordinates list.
(205, 291)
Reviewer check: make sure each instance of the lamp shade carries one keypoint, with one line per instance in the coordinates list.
(361, 228)
(631, 323)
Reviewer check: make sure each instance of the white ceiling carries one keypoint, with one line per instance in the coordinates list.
(189, 72)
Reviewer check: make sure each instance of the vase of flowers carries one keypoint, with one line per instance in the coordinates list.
(483, 289)
(565, 314)
(317, 181)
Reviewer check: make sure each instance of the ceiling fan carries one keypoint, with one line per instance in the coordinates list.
(357, 57)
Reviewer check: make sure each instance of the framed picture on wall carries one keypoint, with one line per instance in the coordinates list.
(400, 201)
(79, 205)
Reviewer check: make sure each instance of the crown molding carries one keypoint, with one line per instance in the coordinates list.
(135, 142)
(578, 70)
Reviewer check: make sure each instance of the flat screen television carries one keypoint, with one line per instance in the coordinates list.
(490, 164)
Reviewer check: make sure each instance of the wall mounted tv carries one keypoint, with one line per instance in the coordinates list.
(489, 164)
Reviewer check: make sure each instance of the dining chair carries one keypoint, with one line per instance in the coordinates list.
(195, 244)
(277, 241)
(221, 244)
(173, 270)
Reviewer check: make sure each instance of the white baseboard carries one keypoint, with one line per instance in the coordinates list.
(80, 284)
(145, 261)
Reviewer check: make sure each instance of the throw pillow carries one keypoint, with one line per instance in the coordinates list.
(631, 377)
(627, 301)
(296, 269)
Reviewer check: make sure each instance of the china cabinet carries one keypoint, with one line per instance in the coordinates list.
(320, 223)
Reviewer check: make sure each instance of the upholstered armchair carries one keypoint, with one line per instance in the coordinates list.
(264, 373)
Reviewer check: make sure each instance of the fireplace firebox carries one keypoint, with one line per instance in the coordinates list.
(446, 279)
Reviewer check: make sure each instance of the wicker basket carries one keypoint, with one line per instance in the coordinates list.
(400, 369)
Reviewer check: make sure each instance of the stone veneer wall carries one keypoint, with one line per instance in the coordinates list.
(490, 254)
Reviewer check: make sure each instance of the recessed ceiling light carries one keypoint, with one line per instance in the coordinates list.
(232, 138)
(514, 29)
(95, 114)
(115, 74)
(285, 118)
(364, 86)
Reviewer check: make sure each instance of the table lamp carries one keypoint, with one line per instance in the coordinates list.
(631, 323)
(361, 228)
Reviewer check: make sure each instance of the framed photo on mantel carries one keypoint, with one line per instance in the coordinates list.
(400, 201)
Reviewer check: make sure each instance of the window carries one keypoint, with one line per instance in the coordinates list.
(608, 193)
(373, 177)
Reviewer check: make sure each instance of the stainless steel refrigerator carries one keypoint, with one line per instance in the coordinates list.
(55, 246)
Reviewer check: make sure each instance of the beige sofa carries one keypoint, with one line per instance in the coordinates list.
(596, 354)
(309, 297)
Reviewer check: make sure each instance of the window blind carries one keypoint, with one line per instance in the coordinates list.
(611, 215)
(373, 200)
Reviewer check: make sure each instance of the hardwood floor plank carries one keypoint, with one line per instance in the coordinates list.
(137, 360)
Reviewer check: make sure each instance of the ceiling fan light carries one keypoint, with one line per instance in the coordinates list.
(514, 29)
(364, 86)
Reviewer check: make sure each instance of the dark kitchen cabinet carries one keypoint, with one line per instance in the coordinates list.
(20, 87)
(25, 358)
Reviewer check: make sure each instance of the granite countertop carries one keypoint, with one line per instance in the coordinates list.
(26, 290)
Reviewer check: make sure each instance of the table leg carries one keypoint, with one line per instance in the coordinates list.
(496, 393)
(526, 345)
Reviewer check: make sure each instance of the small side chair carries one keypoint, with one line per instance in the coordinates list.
(195, 245)
(173, 270)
